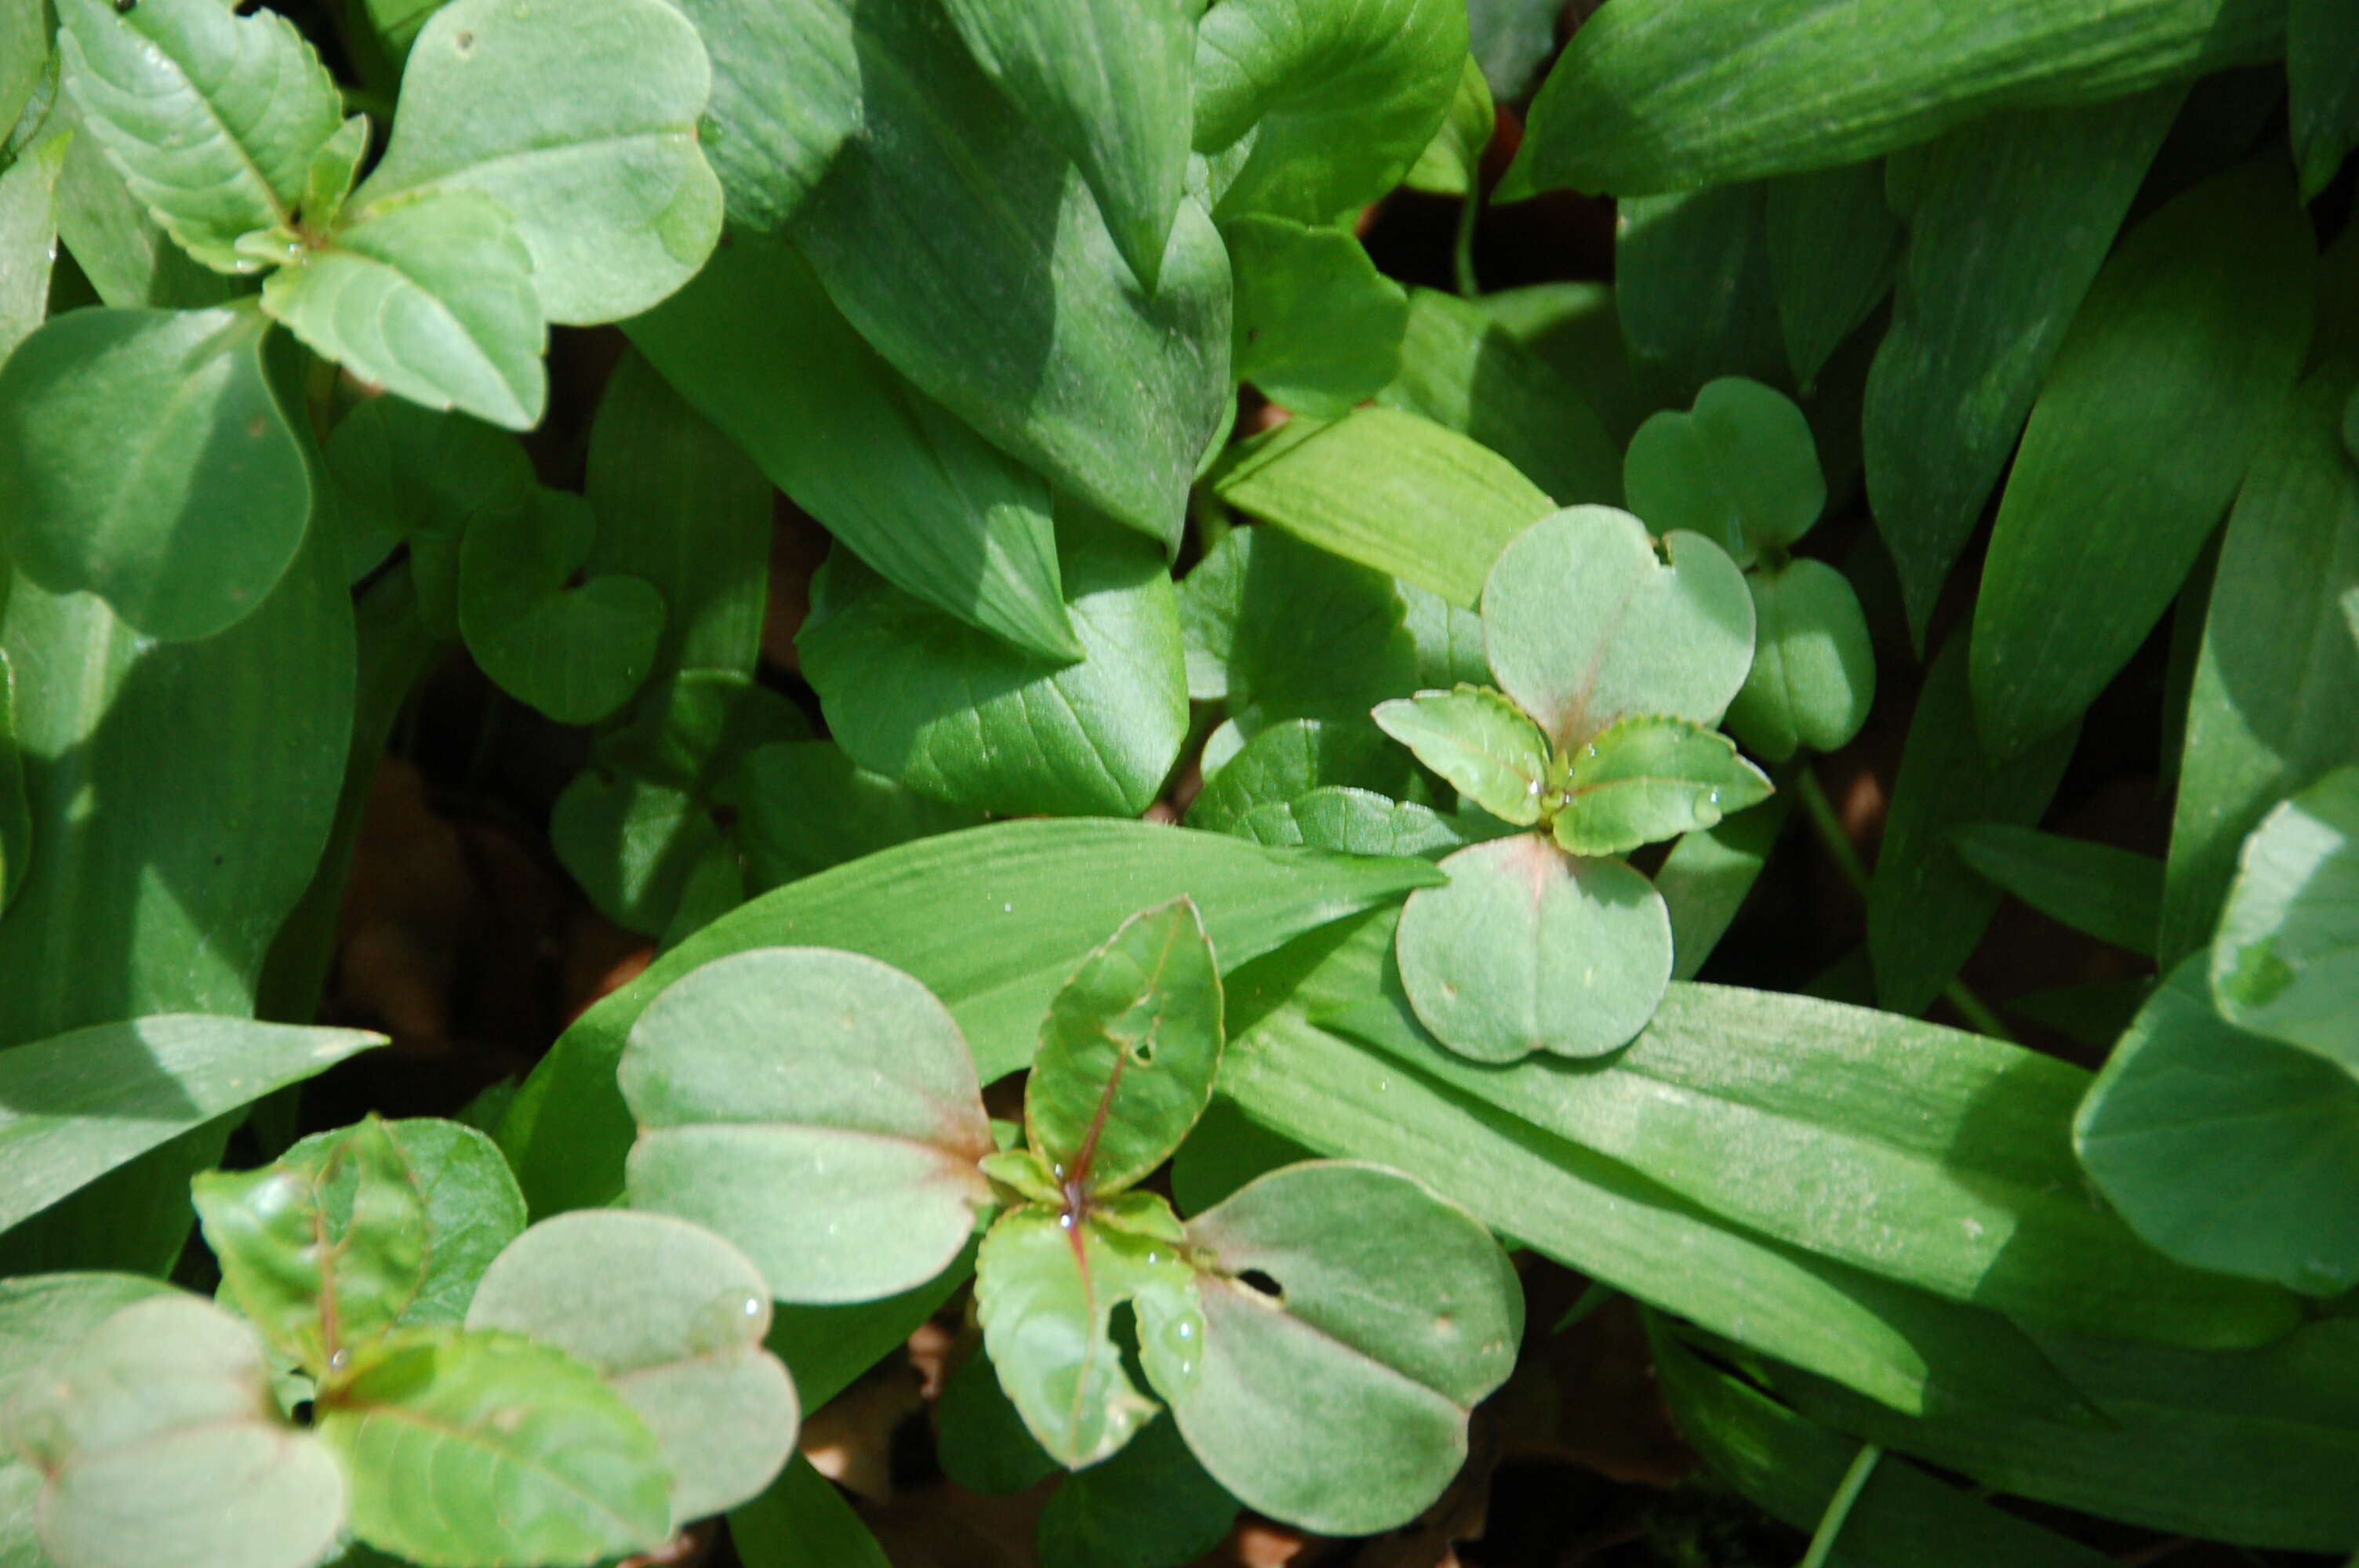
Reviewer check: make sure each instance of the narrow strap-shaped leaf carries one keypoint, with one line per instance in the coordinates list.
(2115, 895)
(1833, 237)
(15, 818)
(2322, 39)
(28, 232)
(1693, 286)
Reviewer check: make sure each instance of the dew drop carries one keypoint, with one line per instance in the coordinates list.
(1006, 909)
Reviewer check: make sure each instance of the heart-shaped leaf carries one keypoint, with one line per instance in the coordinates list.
(819, 1111)
(184, 518)
(1316, 327)
(212, 116)
(672, 1317)
(157, 1441)
(1352, 1321)
(1585, 625)
(1813, 676)
(324, 1250)
(481, 1449)
(1127, 1053)
(1047, 1283)
(576, 654)
(408, 474)
(1740, 468)
(430, 297)
(1480, 742)
(579, 120)
(2286, 962)
(1531, 949)
(1648, 779)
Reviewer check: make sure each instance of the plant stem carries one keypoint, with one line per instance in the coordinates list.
(1839, 1507)
(1462, 249)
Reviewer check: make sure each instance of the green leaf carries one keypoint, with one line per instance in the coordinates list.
(804, 806)
(672, 1317)
(802, 1521)
(1047, 1284)
(15, 819)
(406, 474)
(159, 1440)
(2227, 1150)
(1281, 630)
(786, 95)
(1351, 821)
(2171, 374)
(576, 652)
(1478, 741)
(328, 179)
(1531, 949)
(757, 347)
(580, 121)
(1671, 95)
(1027, 314)
(1315, 325)
(1462, 369)
(1128, 1053)
(1339, 101)
(1109, 83)
(324, 1250)
(1586, 625)
(1927, 909)
(482, 1448)
(186, 520)
(213, 117)
(1646, 779)
(1365, 486)
(818, 1109)
(2278, 677)
(2111, 895)
(2286, 962)
(1813, 676)
(84, 1102)
(1693, 287)
(1289, 760)
(1833, 237)
(1742, 469)
(28, 232)
(2322, 38)
(1704, 880)
(2009, 220)
(1339, 1400)
(1150, 1506)
(919, 696)
(993, 920)
(24, 56)
(1451, 164)
(124, 252)
(980, 1438)
(430, 297)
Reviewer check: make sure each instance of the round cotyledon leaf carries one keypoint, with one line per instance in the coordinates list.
(1586, 624)
(1813, 676)
(1740, 469)
(672, 1317)
(1530, 948)
(818, 1109)
(576, 652)
(1351, 1322)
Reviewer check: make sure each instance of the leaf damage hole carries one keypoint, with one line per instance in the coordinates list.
(1261, 1283)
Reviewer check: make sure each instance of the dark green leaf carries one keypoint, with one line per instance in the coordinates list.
(1813, 676)
(802, 1521)
(1646, 779)
(1705, 878)
(1511, 39)
(980, 1438)
(576, 652)
(403, 474)
(2322, 40)
(1740, 469)
(2007, 221)
(1927, 910)
(1150, 1506)
(15, 818)
(635, 846)
(804, 806)
(1288, 761)
(2286, 962)
(2111, 895)
(2171, 374)
(187, 519)
(1693, 286)
(1831, 239)
(756, 344)
(1480, 743)
(1316, 328)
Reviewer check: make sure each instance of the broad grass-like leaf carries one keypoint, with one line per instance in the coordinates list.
(1128, 1053)
(816, 1108)
(1315, 327)
(1646, 779)
(580, 121)
(186, 518)
(960, 715)
(77, 1106)
(430, 297)
(1586, 625)
(15, 819)
(2286, 960)
(1833, 237)
(803, 1521)
(2225, 1148)
(1740, 468)
(757, 347)
(483, 1450)
(1363, 486)
(2115, 895)
(1339, 99)
(1352, 822)
(672, 1317)
(1693, 287)
(1480, 743)
(1531, 949)
(2322, 38)
(159, 1440)
(2173, 372)
(576, 652)
(1674, 94)
(1340, 1401)
(1813, 676)
(213, 117)
(2009, 220)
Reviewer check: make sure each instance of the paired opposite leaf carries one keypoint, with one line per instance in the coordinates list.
(1813, 676)
(1742, 469)
(189, 511)
(2286, 962)
(576, 652)
(816, 1108)
(1478, 741)
(1647, 779)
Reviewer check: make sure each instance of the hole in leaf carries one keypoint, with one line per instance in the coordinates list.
(1143, 1052)
(1262, 1284)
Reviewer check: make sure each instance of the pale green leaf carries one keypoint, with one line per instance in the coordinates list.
(1813, 676)
(576, 652)
(24, 57)
(28, 232)
(1451, 164)
(786, 95)
(328, 179)
(1480, 743)
(1646, 779)
(125, 253)
(2286, 962)
(1315, 327)
(1742, 469)
(2115, 895)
